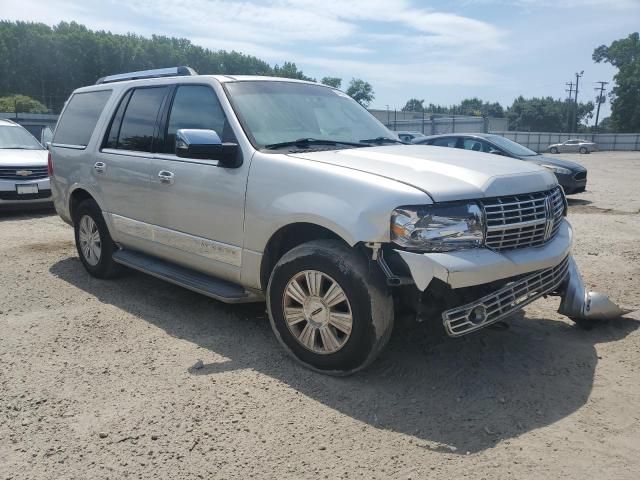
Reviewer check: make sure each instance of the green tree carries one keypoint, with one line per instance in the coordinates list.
(413, 105)
(544, 114)
(361, 91)
(624, 54)
(289, 70)
(334, 82)
(480, 108)
(21, 104)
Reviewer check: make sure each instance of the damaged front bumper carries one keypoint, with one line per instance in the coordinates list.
(537, 271)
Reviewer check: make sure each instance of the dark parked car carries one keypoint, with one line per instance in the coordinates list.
(572, 176)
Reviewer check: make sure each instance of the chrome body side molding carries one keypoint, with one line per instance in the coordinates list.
(203, 247)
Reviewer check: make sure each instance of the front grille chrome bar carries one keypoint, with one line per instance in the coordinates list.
(521, 221)
(505, 301)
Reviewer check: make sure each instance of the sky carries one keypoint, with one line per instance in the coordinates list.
(441, 51)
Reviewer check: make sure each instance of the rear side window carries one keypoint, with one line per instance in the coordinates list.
(135, 120)
(80, 118)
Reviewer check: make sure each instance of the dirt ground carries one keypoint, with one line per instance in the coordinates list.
(100, 379)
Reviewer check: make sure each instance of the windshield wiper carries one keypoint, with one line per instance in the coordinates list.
(305, 142)
(381, 140)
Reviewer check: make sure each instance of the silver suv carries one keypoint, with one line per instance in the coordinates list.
(252, 188)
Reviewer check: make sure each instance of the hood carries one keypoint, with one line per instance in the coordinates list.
(445, 174)
(10, 157)
(557, 162)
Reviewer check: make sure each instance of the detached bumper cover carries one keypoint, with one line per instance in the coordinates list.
(578, 303)
(536, 271)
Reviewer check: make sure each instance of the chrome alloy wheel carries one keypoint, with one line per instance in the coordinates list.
(90, 243)
(317, 312)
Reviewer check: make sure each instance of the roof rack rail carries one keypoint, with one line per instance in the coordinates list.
(158, 72)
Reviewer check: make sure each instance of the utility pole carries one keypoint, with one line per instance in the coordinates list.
(569, 110)
(578, 75)
(600, 100)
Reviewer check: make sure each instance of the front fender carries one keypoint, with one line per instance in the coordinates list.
(355, 205)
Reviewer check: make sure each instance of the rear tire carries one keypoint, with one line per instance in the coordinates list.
(328, 309)
(553, 150)
(93, 242)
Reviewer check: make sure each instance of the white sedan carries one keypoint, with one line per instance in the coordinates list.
(574, 145)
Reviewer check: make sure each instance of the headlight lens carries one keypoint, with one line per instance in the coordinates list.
(438, 228)
(560, 170)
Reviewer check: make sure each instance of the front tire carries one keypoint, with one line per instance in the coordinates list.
(328, 309)
(584, 150)
(553, 150)
(93, 242)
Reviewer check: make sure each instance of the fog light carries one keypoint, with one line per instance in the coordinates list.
(478, 315)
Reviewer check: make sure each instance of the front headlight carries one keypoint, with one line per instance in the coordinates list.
(560, 170)
(438, 228)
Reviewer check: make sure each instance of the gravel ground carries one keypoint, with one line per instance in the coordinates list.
(139, 378)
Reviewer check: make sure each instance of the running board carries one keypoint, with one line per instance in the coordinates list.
(213, 287)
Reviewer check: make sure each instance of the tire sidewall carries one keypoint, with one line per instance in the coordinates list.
(362, 341)
(554, 150)
(104, 266)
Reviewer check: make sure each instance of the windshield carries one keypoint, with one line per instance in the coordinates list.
(511, 146)
(17, 137)
(274, 112)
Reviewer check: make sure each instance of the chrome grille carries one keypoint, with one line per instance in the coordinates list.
(520, 221)
(23, 173)
(497, 305)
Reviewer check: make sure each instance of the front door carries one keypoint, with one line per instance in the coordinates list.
(198, 206)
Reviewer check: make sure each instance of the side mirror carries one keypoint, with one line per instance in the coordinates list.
(496, 152)
(206, 145)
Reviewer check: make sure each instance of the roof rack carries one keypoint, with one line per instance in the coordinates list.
(158, 72)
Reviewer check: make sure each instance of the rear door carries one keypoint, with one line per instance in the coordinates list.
(122, 165)
(199, 212)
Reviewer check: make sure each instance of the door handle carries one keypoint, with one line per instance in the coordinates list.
(99, 167)
(166, 177)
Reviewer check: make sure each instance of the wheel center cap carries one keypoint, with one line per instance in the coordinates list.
(316, 312)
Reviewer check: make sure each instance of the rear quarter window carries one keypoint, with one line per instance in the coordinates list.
(80, 118)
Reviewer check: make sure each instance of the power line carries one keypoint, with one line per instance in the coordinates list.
(600, 100)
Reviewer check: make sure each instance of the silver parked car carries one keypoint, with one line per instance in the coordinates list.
(268, 189)
(24, 177)
(574, 145)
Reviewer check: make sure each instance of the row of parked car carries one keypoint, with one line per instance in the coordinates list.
(574, 145)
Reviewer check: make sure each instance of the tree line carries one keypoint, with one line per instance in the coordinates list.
(41, 65)
(544, 114)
